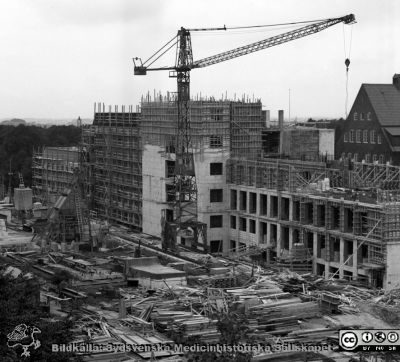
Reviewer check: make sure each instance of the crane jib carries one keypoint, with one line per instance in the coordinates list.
(272, 41)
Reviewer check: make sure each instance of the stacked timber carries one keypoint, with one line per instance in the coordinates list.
(186, 326)
(250, 293)
(198, 328)
(271, 311)
(312, 336)
(216, 281)
(281, 316)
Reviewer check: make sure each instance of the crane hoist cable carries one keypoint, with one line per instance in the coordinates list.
(347, 64)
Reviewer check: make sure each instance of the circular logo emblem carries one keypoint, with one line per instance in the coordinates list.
(367, 337)
(392, 337)
(380, 337)
(348, 340)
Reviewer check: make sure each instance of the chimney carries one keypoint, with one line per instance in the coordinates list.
(280, 125)
(396, 81)
(280, 119)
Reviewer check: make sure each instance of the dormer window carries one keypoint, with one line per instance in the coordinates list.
(361, 116)
(355, 116)
(368, 116)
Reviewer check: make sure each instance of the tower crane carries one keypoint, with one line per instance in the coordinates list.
(185, 203)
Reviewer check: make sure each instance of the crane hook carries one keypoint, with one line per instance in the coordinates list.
(347, 63)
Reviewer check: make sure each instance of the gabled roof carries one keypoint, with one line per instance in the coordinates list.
(385, 99)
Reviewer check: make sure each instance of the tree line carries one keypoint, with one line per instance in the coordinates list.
(17, 145)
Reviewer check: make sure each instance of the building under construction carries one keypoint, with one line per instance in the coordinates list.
(339, 217)
(112, 163)
(52, 171)
(220, 129)
(57, 184)
(346, 219)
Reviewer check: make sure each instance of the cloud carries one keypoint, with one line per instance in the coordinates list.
(98, 12)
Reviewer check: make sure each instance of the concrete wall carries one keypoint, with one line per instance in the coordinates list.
(154, 191)
(308, 143)
(205, 183)
(392, 279)
(327, 142)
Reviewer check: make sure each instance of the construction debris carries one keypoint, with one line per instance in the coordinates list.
(276, 306)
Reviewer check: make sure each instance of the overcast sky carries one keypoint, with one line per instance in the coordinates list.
(59, 57)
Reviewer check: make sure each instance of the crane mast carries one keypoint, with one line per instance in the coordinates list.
(185, 222)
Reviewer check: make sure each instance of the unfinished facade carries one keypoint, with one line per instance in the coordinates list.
(296, 142)
(348, 234)
(219, 130)
(113, 166)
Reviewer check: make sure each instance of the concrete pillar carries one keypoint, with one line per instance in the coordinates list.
(268, 234)
(269, 205)
(315, 250)
(279, 206)
(290, 238)
(291, 208)
(341, 258)
(326, 270)
(355, 259)
(257, 231)
(278, 240)
(247, 201)
(258, 203)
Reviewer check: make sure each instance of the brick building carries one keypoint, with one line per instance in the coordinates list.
(372, 129)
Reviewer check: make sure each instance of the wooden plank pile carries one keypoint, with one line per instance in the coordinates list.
(281, 316)
(270, 310)
(311, 336)
(185, 326)
(216, 281)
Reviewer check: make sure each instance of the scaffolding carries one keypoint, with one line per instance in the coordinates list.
(214, 124)
(113, 163)
(359, 217)
(386, 177)
(292, 175)
(277, 174)
(52, 171)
